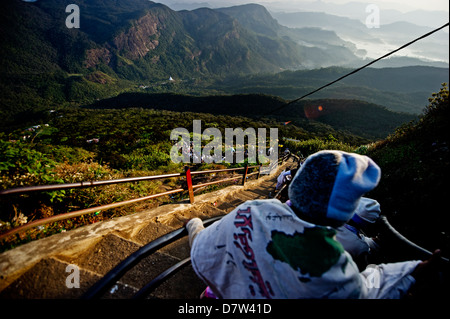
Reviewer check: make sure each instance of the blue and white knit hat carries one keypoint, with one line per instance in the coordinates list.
(327, 188)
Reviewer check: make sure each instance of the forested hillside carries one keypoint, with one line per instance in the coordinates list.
(403, 89)
(44, 62)
(322, 117)
(78, 144)
(135, 46)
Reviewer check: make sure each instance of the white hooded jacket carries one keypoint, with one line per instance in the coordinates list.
(263, 250)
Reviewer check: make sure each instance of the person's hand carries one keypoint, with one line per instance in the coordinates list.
(427, 266)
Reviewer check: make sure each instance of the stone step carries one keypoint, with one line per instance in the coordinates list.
(52, 278)
(229, 205)
(185, 284)
(260, 193)
(244, 196)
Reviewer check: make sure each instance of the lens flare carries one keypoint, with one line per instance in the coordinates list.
(314, 111)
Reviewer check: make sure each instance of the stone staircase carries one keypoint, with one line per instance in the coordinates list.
(47, 268)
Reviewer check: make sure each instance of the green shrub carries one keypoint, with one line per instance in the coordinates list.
(311, 146)
(415, 165)
(19, 160)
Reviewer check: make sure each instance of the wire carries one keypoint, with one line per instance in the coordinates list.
(359, 69)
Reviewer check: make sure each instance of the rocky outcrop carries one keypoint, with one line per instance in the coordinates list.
(141, 38)
(97, 56)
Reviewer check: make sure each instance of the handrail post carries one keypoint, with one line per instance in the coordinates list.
(189, 184)
(245, 174)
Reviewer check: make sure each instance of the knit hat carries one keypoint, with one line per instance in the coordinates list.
(368, 210)
(327, 188)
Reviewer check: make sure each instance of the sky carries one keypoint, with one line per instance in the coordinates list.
(394, 4)
(401, 5)
(392, 10)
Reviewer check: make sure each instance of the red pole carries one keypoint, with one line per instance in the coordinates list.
(189, 184)
(245, 175)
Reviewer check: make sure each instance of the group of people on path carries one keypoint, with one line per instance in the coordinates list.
(308, 247)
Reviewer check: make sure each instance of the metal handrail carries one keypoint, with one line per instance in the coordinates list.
(117, 272)
(155, 283)
(158, 280)
(81, 212)
(55, 187)
(219, 170)
(214, 182)
(88, 184)
(424, 253)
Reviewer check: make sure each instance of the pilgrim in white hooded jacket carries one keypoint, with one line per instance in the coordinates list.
(266, 249)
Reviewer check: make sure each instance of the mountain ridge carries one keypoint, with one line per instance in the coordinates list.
(404, 89)
(373, 42)
(365, 120)
(44, 63)
(149, 29)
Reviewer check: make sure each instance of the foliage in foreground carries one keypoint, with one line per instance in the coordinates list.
(70, 145)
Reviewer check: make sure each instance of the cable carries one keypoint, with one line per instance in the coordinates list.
(359, 69)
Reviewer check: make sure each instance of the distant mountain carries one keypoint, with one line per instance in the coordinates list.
(405, 89)
(391, 12)
(119, 43)
(139, 39)
(347, 21)
(319, 48)
(254, 17)
(377, 41)
(400, 62)
(177, 6)
(127, 44)
(344, 26)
